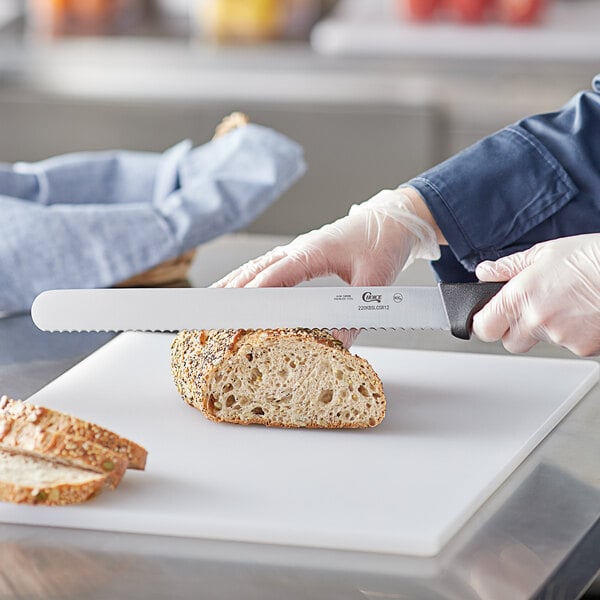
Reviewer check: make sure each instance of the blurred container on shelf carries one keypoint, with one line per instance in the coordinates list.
(511, 12)
(258, 20)
(241, 20)
(521, 12)
(83, 17)
(567, 31)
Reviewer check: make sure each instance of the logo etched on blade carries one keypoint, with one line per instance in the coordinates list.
(369, 297)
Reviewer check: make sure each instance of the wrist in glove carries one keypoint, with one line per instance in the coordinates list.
(397, 205)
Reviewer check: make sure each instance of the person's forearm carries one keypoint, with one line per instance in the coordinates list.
(533, 181)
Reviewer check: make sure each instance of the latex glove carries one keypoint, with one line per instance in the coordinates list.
(370, 246)
(553, 295)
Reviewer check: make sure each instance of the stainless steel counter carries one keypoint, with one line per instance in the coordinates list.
(538, 536)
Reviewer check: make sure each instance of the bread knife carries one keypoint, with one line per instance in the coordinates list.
(449, 306)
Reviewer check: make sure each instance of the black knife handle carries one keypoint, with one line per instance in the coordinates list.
(463, 300)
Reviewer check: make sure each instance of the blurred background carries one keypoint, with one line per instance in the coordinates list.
(375, 90)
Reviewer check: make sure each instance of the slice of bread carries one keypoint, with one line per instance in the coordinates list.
(24, 435)
(276, 377)
(26, 479)
(53, 421)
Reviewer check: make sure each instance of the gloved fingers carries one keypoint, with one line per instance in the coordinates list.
(514, 315)
(494, 324)
(507, 267)
(346, 336)
(576, 333)
(501, 313)
(503, 317)
(325, 251)
(247, 272)
(296, 266)
(304, 258)
(518, 340)
(583, 346)
(490, 324)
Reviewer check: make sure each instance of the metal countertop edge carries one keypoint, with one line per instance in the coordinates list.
(574, 575)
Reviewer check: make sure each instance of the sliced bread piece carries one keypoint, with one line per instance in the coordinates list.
(17, 433)
(276, 377)
(26, 479)
(53, 421)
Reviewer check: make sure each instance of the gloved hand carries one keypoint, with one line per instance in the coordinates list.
(552, 294)
(370, 246)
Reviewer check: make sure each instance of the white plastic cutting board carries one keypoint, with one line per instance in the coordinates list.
(457, 425)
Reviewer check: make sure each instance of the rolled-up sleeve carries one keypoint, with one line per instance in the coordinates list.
(535, 180)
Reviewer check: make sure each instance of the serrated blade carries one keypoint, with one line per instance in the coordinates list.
(173, 309)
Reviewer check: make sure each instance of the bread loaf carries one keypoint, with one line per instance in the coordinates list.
(276, 377)
(26, 479)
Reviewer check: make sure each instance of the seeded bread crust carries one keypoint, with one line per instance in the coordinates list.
(52, 421)
(276, 377)
(26, 479)
(24, 435)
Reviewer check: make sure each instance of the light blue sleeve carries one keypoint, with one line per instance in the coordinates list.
(63, 225)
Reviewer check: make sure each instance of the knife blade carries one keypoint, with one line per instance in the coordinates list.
(447, 307)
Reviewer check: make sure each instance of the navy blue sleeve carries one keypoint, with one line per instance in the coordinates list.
(536, 180)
